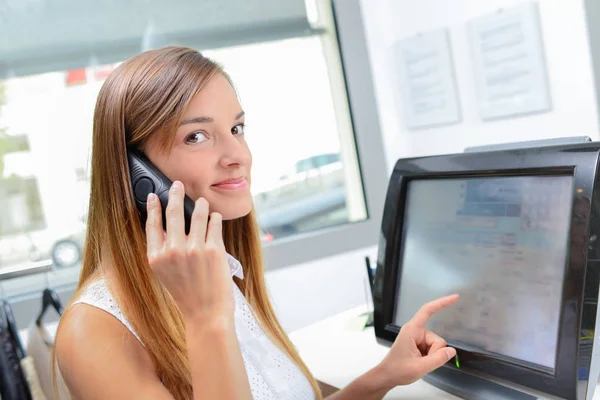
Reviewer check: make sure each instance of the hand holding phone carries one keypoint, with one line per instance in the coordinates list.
(145, 179)
(193, 267)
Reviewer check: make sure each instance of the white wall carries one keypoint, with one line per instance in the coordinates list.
(568, 60)
(305, 293)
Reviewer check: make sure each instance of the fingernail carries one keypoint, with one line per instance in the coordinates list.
(450, 352)
(151, 198)
(177, 185)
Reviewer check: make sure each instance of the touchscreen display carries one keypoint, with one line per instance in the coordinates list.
(501, 243)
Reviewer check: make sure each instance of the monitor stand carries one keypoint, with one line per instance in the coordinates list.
(470, 387)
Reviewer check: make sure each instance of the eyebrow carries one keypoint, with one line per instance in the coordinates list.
(203, 120)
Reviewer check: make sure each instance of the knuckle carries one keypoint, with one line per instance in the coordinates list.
(173, 255)
(152, 220)
(153, 258)
(171, 210)
(426, 309)
(200, 213)
(197, 217)
(210, 251)
(193, 252)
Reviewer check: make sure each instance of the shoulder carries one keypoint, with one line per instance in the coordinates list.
(97, 355)
(89, 327)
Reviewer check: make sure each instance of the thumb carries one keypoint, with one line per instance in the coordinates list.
(435, 360)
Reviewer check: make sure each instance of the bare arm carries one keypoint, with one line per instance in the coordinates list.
(99, 358)
(369, 386)
(216, 363)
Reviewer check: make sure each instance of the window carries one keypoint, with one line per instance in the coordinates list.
(303, 129)
(292, 129)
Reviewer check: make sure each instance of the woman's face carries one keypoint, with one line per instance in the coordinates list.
(209, 154)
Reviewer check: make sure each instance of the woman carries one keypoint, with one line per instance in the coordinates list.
(161, 314)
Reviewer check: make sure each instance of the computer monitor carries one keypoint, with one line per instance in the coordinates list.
(514, 232)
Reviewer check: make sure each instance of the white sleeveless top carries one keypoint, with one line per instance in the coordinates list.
(271, 373)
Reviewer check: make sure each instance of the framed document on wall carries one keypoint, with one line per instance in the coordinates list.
(427, 82)
(509, 64)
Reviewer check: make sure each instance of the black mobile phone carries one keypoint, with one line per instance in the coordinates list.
(146, 179)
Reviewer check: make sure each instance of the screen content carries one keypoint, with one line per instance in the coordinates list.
(501, 243)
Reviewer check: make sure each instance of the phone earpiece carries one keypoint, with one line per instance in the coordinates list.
(146, 179)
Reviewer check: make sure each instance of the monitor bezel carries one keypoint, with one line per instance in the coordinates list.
(579, 161)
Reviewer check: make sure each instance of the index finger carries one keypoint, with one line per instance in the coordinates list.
(174, 215)
(426, 311)
(154, 227)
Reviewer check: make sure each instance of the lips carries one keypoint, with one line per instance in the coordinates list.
(235, 183)
(234, 180)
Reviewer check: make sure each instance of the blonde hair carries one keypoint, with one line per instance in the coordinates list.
(148, 95)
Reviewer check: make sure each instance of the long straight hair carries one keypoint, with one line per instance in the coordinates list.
(147, 95)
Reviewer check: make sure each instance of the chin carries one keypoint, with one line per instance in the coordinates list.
(234, 210)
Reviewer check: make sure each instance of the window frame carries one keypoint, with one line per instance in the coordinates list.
(348, 64)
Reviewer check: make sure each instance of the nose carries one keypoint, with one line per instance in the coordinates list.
(234, 152)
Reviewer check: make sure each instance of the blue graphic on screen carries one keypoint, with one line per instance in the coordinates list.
(501, 198)
(501, 243)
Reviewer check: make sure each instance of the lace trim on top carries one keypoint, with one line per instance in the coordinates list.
(98, 295)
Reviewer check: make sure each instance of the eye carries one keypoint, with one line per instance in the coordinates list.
(195, 138)
(238, 129)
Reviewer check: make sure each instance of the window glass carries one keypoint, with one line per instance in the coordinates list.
(300, 173)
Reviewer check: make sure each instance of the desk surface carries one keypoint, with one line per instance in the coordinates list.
(337, 353)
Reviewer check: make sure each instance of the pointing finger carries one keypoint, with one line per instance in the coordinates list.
(422, 316)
